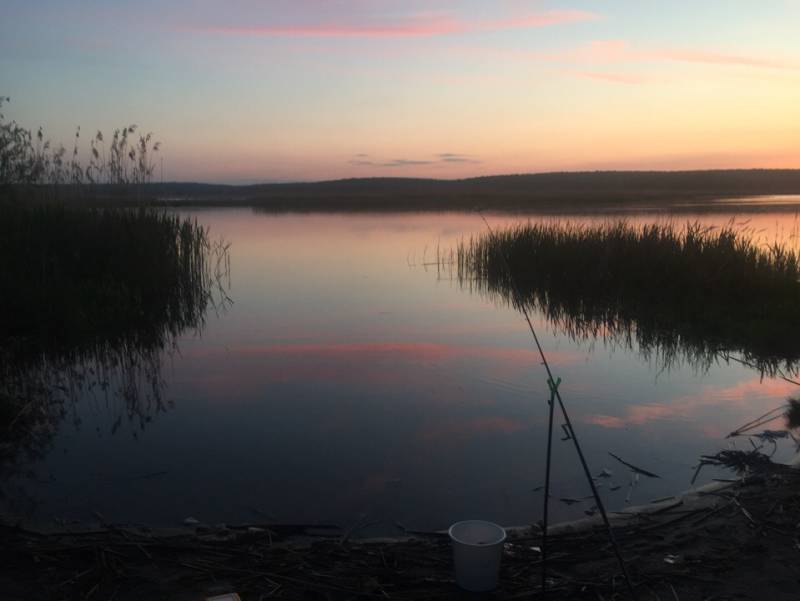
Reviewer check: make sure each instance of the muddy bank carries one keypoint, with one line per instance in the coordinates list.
(736, 541)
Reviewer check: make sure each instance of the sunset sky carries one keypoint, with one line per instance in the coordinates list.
(281, 90)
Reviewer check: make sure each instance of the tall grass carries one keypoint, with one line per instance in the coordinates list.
(32, 168)
(699, 291)
(91, 300)
(73, 276)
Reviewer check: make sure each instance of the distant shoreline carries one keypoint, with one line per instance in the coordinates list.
(548, 192)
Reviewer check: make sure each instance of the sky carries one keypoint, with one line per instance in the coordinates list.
(242, 91)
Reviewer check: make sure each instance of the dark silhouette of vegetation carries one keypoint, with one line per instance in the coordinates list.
(698, 293)
(71, 275)
(91, 300)
(556, 192)
(544, 192)
(34, 169)
(792, 413)
(30, 159)
(91, 303)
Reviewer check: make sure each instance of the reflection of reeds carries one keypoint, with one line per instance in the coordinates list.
(90, 300)
(695, 292)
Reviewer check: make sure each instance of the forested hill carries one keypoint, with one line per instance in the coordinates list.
(530, 191)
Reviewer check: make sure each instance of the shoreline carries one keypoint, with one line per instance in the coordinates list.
(723, 540)
(695, 498)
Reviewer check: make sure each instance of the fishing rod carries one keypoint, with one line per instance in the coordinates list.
(551, 403)
(556, 394)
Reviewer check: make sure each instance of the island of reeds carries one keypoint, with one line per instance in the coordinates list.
(676, 292)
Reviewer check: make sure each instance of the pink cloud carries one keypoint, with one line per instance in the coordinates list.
(600, 51)
(716, 58)
(544, 19)
(405, 27)
(402, 28)
(620, 51)
(612, 77)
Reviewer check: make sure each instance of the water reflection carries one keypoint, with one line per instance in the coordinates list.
(698, 406)
(345, 382)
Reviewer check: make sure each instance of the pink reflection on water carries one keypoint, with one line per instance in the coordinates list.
(606, 421)
(418, 351)
(250, 368)
(752, 396)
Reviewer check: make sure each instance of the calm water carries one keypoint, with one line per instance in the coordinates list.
(352, 382)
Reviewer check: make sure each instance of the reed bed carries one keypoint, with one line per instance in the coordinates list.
(90, 299)
(695, 291)
(91, 302)
(74, 278)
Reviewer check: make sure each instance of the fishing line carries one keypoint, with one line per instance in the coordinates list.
(554, 392)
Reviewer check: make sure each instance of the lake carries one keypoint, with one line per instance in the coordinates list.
(353, 381)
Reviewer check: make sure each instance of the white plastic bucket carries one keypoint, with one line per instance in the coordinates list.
(477, 550)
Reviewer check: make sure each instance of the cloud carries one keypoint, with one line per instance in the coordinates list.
(391, 163)
(620, 51)
(452, 157)
(396, 28)
(717, 58)
(600, 51)
(420, 25)
(406, 163)
(626, 78)
(443, 157)
(543, 19)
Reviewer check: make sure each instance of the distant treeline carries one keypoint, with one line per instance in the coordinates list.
(543, 191)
